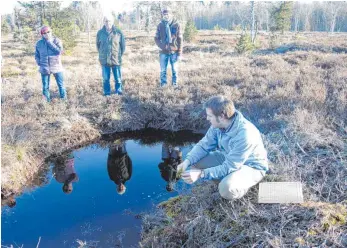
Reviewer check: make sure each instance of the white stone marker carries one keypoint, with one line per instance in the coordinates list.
(280, 192)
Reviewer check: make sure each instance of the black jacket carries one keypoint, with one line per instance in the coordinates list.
(119, 165)
(176, 44)
(168, 169)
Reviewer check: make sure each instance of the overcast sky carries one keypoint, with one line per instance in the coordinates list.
(107, 5)
(6, 6)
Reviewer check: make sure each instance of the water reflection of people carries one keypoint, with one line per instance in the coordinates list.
(64, 172)
(8, 199)
(171, 156)
(119, 165)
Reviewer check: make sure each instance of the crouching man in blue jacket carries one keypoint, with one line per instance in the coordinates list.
(231, 152)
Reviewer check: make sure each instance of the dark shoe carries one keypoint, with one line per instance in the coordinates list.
(119, 93)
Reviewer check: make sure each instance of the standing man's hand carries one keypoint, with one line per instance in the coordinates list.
(192, 175)
(48, 36)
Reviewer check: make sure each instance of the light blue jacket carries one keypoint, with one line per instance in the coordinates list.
(241, 144)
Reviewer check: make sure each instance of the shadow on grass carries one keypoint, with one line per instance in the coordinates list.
(301, 47)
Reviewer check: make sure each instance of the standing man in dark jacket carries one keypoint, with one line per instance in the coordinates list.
(110, 43)
(169, 39)
(47, 56)
(119, 165)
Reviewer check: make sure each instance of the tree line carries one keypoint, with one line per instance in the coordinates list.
(293, 16)
(255, 16)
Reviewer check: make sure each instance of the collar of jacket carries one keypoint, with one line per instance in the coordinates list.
(233, 124)
(172, 22)
(165, 22)
(114, 29)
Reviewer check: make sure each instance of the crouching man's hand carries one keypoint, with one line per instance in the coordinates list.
(182, 166)
(192, 175)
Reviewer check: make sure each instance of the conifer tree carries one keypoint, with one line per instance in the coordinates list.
(282, 16)
(190, 31)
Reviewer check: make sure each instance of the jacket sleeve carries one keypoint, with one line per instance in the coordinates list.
(98, 41)
(129, 166)
(56, 45)
(37, 55)
(242, 147)
(158, 40)
(122, 44)
(179, 41)
(205, 145)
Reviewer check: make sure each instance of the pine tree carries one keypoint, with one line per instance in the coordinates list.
(190, 31)
(5, 26)
(282, 16)
(65, 28)
(244, 44)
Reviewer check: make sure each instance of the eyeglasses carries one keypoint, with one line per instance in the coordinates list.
(47, 32)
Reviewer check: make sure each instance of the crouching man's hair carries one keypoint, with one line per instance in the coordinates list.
(220, 105)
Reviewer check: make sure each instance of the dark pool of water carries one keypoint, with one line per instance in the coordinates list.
(93, 211)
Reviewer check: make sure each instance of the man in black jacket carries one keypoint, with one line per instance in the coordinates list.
(169, 39)
(171, 156)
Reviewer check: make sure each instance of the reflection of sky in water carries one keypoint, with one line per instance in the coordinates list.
(93, 211)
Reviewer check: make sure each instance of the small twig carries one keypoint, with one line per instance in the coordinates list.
(226, 212)
(38, 243)
(301, 148)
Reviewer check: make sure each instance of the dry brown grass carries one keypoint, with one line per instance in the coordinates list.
(298, 99)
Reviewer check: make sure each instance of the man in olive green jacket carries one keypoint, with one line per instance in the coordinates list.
(110, 43)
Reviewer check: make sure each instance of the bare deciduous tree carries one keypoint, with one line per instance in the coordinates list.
(332, 10)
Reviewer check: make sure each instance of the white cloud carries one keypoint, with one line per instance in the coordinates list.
(116, 6)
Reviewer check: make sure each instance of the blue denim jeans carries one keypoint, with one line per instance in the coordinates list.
(106, 75)
(164, 60)
(59, 78)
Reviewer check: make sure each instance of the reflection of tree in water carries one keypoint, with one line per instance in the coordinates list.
(39, 179)
(8, 199)
(154, 136)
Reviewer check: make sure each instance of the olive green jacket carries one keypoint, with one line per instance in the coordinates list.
(111, 46)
